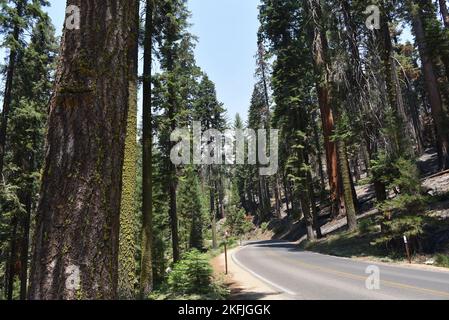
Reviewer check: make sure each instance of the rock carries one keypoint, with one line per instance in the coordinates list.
(429, 262)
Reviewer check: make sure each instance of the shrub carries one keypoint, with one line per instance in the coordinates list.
(402, 214)
(393, 230)
(442, 260)
(407, 181)
(237, 223)
(403, 203)
(264, 226)
(365, 226)
(191, 275)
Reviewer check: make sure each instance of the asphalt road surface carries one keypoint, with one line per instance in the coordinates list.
(305, 275)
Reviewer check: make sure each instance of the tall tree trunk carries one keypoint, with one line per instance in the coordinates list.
(77, 228)
(312, 199)
(277, 196)
(444, 13)
(213, 218)
(286, 193)
(394, 91)
(304, 198)
(320, 47)
(432, 88)
(25, 243)
(7, 95)
(173, 108)
(174, 217)
(146, 275)
(351, 209)
(319, 157)
(127, 264)
(12, 260)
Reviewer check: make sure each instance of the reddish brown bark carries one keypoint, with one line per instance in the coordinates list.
(320, 47)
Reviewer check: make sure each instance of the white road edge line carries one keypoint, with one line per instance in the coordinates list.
(261, 277)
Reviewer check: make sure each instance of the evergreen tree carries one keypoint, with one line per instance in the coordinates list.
(26, 130)
(77, 227)
(17, 18)
(190, 208)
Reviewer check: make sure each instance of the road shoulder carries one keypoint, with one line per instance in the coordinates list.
(243, 285)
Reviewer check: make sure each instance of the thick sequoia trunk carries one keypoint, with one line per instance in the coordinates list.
(320, 47)
(432, 88)
(77, 227)
(146, 274)
(331, 148)
(7, 95)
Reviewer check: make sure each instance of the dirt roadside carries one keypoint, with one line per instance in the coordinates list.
(243, 285)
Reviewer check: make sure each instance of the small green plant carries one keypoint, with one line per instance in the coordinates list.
(365, 226)
(393, 230)
(402, 215)
(191, 279)
(264, 226)
(191, 275)
(364, 181)
(406, 203)
(237, 223)
(442, 260)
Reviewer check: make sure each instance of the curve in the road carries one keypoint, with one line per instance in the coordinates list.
(307, 275)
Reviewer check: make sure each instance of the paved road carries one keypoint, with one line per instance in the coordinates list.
(306, 275)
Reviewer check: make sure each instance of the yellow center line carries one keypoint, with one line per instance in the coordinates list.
(358, 277)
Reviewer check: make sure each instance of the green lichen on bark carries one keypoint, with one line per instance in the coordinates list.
(127, 278)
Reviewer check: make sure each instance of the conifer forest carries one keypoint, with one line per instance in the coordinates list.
(123, 176)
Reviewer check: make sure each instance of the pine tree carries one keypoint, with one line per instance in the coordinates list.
(26, 129)
(210, 113)
(17, 18)
(190, 208)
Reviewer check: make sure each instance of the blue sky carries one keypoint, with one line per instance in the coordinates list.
(227, 32)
